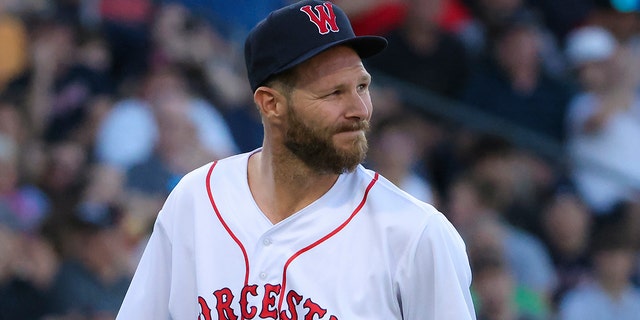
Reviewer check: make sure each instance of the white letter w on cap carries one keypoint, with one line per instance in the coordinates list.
(325, 19)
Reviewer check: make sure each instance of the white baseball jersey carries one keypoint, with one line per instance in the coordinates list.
(364, 250)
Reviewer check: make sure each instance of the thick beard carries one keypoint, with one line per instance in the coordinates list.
(316, 149)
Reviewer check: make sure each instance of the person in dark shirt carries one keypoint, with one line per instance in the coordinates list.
(422, 53)
(513, 86)
(94, 276)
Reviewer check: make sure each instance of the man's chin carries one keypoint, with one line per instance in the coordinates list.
(341, 164)
(354, 154)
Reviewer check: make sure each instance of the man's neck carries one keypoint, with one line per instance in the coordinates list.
(282, 185)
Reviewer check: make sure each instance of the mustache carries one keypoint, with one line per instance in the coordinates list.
(362, 125)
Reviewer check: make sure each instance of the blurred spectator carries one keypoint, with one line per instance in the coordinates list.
(623, 24)
(29, 146)
(450, 158)
(177, 151)
(488, 16)
(66, 166)
(514, 86)
(605, 161)
(94, 276)
(422, 53)
(95, 270)
(213, 66)
(61, 87)
(563, 16)
(27, 204)
(629, 214)
(610, 294)
(522, 180)
(246, 127)
(139, 214)
(472, 199)
(105, 184)
(126, 26)
(567, 223)
(496, 294)
(491, 17)
(134, 117)
(11, 123)
(28, 264)
(396, 153)
(388, 103)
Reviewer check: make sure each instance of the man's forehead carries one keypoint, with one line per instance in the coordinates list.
(329, 62)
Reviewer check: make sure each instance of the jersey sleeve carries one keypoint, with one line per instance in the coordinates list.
(148, 294)
(434, 276)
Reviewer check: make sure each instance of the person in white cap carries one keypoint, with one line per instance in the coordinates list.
(603, 120)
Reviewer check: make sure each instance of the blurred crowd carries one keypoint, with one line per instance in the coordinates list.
(106, 104)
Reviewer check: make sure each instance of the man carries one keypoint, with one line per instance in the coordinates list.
(298, 229)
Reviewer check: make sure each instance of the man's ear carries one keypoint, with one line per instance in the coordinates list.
(270, 102)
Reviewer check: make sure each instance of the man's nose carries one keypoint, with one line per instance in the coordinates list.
(359, 106)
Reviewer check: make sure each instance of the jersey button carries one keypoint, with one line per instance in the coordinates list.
(263, 275)
(266, 242)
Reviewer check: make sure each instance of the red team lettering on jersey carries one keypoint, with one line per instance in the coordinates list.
(323, 17)
(229, 307)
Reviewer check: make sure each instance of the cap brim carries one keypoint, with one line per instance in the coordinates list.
(365, 46)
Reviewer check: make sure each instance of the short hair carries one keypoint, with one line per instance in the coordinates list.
(611, 234)
(286, 81)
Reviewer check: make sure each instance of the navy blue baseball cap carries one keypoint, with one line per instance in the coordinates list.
(296, 33)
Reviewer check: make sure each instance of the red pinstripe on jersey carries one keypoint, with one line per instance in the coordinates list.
(226, 227)
(295, 255)
(323, 239)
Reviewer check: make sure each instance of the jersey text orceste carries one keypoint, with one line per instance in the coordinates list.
(226, 305)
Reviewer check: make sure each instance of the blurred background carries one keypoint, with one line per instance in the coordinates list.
(518, 119)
